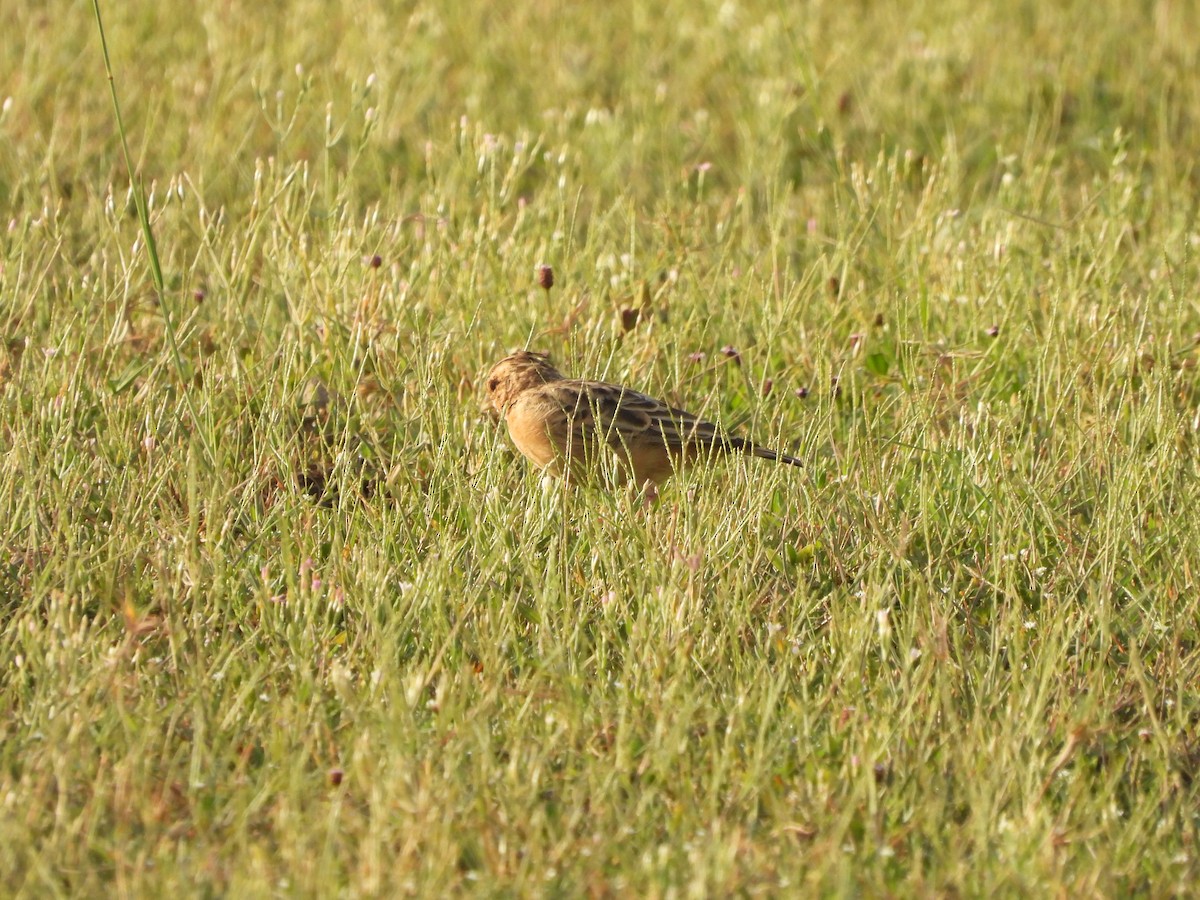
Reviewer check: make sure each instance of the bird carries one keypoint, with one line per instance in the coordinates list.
(573, 427)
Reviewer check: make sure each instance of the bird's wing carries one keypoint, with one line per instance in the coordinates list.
(624, 418)
(627, 420)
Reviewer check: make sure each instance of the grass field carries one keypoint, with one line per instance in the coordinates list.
(281, 612)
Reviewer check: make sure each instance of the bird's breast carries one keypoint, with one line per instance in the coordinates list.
(530, 430)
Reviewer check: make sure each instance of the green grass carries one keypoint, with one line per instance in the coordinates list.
(287, 615)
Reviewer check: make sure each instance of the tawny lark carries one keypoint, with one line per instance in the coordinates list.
(567, 426)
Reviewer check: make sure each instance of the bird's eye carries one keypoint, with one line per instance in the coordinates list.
(493, 383)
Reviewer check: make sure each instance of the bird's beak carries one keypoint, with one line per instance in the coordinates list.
(488, 409)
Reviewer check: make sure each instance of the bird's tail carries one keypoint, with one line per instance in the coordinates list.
(754, 449)
(776, 456)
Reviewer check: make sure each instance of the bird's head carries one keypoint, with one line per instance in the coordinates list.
(514, 375)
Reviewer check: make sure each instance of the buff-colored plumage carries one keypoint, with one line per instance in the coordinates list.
(572, 427)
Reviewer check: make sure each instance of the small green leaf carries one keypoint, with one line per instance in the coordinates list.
(529, 613)
(128, 375)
